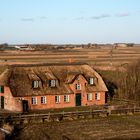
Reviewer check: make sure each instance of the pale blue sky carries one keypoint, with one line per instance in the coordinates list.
(69, 21)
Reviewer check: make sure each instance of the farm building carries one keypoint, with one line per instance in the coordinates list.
(40, 87)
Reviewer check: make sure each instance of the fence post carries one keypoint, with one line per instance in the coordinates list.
(92, 113)
(134, 108)
(49, 116)
(109, 111)
(77, 114)
(63, 113)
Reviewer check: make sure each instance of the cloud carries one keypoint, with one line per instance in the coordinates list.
(123, 15)
(100, 16)
(94, 17)
(28, 19)
(33, 19)
(43, 17)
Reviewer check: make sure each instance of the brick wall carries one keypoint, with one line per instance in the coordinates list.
(11, 103)
(50, 99)
(15, 103)
(83, 92)
(50, 102)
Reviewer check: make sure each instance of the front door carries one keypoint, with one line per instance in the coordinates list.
(78, 99)
(2, 102)
(25, 105)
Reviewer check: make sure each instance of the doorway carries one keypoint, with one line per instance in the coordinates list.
(25, 105)
(78, 99)
(2, 102)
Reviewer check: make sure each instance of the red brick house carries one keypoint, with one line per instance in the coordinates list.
(31, 87)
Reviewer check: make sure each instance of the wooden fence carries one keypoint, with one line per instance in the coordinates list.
(52, 117)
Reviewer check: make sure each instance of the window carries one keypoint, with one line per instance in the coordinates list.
(91, 81)
(89, 96)
(35, 84)
(1, 89)
(34, 100)
(57, 99)
(43, 100)
(66, 98)
(52, 83)
(78, 86)
(97, 96)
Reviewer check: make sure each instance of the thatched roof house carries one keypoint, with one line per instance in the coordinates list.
(29, 82)
(19, 78)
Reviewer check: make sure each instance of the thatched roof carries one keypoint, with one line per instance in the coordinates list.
(21, 77)
(4, 77)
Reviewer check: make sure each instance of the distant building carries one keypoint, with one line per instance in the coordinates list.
(22, 48)
(120, 45)
(42, 87)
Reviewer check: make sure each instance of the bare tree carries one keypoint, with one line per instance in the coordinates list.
(130, 82)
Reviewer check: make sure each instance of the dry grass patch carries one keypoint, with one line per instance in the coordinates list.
(122, 127)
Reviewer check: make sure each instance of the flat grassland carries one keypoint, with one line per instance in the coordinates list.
(103, 58)
(108, 128)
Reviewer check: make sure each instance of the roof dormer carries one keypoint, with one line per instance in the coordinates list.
(1, 89)
(52, 83)
(92, 81)
(35, 84)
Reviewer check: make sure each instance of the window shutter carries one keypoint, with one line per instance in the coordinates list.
(33, 84)
(98, 96)
(34, 100)
(49, 83)
(66, 98)
(1, 89)
(57, 99)
(43, 100)
(91, 81)
(52, 83)
(75, 86)
(89, 96)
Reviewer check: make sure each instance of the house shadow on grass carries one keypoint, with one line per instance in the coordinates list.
(111, 89)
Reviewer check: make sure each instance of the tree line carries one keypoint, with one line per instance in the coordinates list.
(123, 84)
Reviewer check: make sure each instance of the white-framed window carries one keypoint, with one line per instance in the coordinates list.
(89, 96)
(57, 99)
(91, 80)
(35, 84)
(78, 86)
(34, 100)
(67, 98)
(43, 99)
(97, 96)
(52, 83)
(1, 89)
